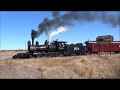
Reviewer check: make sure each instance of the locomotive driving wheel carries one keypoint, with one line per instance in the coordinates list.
(44, 54)
(30, 56)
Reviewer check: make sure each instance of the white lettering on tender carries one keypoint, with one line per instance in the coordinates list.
(76, 48)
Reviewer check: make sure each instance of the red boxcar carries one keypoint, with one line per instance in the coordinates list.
(95, 47)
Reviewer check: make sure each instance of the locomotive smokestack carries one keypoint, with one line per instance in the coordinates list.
(33, 35)
(32, 41)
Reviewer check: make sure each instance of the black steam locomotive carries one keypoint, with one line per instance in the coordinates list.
(55, 48)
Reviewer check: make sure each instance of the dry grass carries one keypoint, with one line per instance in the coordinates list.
(86, 67)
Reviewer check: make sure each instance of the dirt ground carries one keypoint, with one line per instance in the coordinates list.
(101, 66)
(8, 55)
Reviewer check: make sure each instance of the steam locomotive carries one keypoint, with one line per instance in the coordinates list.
(55, 48)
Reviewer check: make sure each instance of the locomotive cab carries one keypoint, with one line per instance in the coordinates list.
(58, 46)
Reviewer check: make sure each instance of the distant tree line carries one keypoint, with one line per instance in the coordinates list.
(12, 50)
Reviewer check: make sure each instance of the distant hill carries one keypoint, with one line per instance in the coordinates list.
(12, 50)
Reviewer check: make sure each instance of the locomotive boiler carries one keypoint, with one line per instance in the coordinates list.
(53, 46)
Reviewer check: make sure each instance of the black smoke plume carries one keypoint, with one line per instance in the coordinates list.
(81, 16)
(33, 33)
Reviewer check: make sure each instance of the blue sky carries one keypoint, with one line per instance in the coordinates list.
(16, 26)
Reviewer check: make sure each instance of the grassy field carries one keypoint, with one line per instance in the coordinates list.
(74, 67)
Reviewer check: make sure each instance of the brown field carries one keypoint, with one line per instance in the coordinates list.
(11, 52)
(75, 67)
(8, 54)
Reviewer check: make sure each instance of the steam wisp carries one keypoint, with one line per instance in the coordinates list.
(57, 31)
